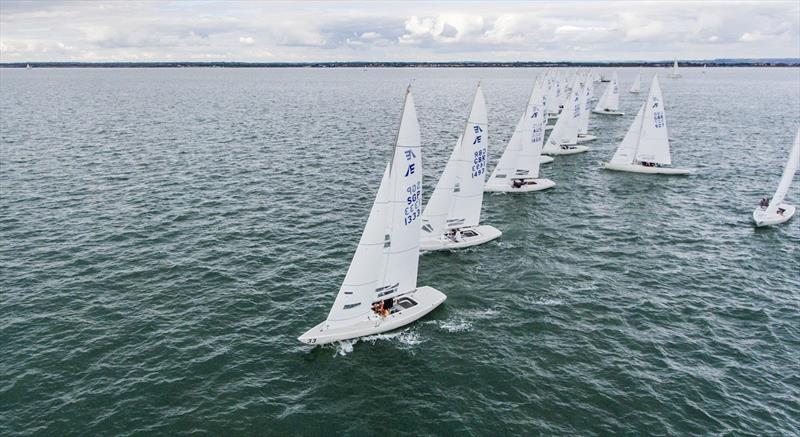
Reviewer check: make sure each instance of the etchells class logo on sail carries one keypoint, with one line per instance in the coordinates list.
(413, 208)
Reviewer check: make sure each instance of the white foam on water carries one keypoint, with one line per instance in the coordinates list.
(406, 338)
(456, 325)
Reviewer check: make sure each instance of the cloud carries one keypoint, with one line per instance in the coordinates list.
(294, 31)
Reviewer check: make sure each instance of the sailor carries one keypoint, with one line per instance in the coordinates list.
(516, 183)
(764, 202)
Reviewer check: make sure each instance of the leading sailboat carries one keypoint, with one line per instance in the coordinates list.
(518, 168)
(380, 291)
(774, 212)
(645, 148)
(453, 213)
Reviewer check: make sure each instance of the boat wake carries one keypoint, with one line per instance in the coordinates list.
(406, 339)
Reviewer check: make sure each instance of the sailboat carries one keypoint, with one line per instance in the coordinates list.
(645, 148)
(674, 74)
(28, 66)
(380, 291)
(704, 69)
(518, 168)
(452, 216)
(586, 109)
(636, 88)
(608, 104)
(775, 212)
(564, 136)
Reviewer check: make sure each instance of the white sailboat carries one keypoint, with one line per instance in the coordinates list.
(380, 291)
(645, 148)
(704, 69)
(608, 104)
(518, 168)
(773, 212)
(564, 136)
(674, 74)
(586, 109)
(451, 219)
(636, 88)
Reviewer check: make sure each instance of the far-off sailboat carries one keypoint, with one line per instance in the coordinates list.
(674, 74)
(518, 168)
(774, 212)
(451, 219)
(608, 104)
(645, 148)
(636, 88)
(380, 291)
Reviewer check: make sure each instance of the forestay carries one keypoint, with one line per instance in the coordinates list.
(386, 259)
(788, 174)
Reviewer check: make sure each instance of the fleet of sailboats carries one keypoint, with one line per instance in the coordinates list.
(380, 292)
(451, 219)
(775, 211)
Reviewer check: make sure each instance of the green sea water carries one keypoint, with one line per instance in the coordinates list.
(166, 234)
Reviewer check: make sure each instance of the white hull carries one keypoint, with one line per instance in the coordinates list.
(549, 127)
(636, 168)
(586, 138)
(570, 150)
(544, 159)
(426, 298)
(483, 234)
(609, 112)
(634, 92)
(539, 185)
(761, 218)
(674, 76)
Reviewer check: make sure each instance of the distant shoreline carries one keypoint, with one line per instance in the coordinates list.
(771, 62)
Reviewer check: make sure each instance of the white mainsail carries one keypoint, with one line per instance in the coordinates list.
(521, 157)
(386, 259)
(646, 139)
(637, 84)
(786, 179)
(457, 199)
(566, 129)
(610, 98)
(465, 209)
(653, 141)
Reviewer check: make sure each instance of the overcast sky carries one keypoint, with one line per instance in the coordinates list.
(408, 31)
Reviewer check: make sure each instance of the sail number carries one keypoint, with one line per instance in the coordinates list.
(658, 119)
(413, 203)
(479, 163)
